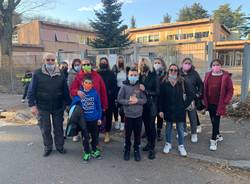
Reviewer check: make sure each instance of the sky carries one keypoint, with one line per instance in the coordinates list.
(146, 12)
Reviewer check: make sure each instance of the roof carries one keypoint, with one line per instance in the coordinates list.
(177, 24)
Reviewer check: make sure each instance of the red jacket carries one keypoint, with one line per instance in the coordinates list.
(99, 85)
(226, 92)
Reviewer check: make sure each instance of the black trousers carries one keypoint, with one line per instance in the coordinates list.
(118, 110)
(133, 125)
(92, 130)
(215, 120)
(108, 114)
(159, 123)
(149, 123)
(45, 121)
(26, 87)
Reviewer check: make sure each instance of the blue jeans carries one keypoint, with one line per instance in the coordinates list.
(180, 130)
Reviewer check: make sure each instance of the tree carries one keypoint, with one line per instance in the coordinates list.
(245, 28)
(167, 18)
(133, 22)
(196, 11)
(225, 15)
(108, 26)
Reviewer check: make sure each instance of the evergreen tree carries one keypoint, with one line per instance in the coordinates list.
(245, 28)
(225, 15)
(167, 18)
(108, 26)
(133, 22)
(196, 11)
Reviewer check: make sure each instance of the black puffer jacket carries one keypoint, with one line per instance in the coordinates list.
(194, 79)
(152, 91)
(110, 81)
(172, 103)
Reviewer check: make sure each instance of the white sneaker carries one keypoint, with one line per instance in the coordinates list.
(182, 150)
(219, 138)
(117, 125)
(23, 100)
(167, 148)
(194, 138)
(199, 129)
(76, 138)
(121, 126)
(213, 145)
(185, 134)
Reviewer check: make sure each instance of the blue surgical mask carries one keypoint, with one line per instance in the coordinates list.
(50, 67)
(172, 77)
(77, 68)
(133, 79)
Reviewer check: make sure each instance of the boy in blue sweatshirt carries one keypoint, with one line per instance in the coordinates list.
(92, 112)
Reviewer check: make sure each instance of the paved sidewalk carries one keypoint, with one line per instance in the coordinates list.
(234, 151)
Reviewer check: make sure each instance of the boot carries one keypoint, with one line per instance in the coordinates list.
(137, 155)
(151, 154)
(107, 137)
(126, 155)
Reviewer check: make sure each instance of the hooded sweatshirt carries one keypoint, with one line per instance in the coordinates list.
(90, 104)
(127, 90)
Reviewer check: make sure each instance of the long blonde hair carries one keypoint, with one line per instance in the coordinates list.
(147, 63)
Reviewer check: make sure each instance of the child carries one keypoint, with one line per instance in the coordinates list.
(132, 99)
(91, 113)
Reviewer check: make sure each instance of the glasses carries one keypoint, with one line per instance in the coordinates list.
(88, 64)
(50, 59)
(173, 70)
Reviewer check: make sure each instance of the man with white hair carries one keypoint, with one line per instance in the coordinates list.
(47, 95)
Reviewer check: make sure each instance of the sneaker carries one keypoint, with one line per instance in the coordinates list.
(213, 145)
(151, 154)
(199, 129)
(219, 138)
(117, 125)
(137, 155)
(107, 137)
(46, 153)
(126, 155)
(182, 150)
(185, 134)
(62, 150)
(96, 153)
(23, 100)
(76, 138)
(122, 126)
(194, 138)
(86, 156)
(167, 148)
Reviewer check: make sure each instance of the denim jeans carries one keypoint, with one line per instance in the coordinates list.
(180, 130)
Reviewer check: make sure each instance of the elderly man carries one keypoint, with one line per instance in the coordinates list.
(47, 96)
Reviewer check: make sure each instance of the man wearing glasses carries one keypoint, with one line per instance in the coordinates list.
(47, 95)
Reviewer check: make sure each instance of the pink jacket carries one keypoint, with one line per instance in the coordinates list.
(226, 92)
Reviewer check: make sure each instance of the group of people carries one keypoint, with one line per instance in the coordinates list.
(146, 93)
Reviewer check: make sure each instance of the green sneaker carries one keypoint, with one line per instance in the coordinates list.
(96, 153)
(86, 156)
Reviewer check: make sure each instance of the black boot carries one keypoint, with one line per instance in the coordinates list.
(46, 153)
(146, 148)
(159, 137)
(151, 154)
(137, 155)
(126, 155)
(62, 150)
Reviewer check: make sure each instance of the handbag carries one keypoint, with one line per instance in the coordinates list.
(191, 107)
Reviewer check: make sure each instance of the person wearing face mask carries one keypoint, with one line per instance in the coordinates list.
(75, 68)
(120, 71)
(189, 73)
(176, 95)
(47, 95)
(63, 66)
(111, 87)
(132, 99)
(218, 92)
(160, 69)
(150, 85)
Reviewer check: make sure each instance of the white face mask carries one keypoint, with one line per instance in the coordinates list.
(172, 77)
(50, 67)
(157, 67)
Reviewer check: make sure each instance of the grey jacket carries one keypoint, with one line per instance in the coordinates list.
(127, 90)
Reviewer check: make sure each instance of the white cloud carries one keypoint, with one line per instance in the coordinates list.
(98, 6)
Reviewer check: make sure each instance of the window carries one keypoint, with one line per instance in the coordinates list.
(139, 39)
(153, 38)
(15, 37)
(201, 34)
